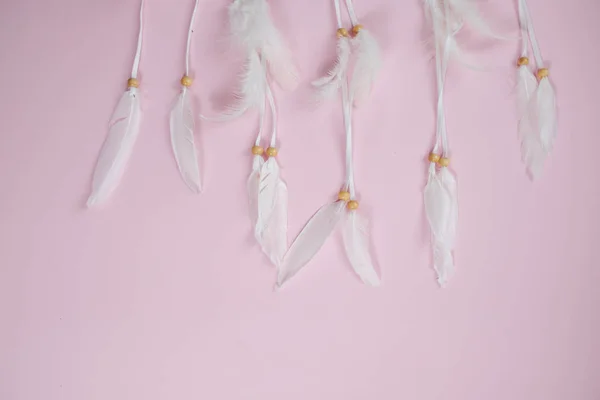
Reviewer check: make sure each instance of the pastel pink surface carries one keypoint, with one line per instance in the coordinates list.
(163, 294)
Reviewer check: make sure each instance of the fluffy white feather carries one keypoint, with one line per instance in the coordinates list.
(122, 134)
(251, 92)
(310, 240)
(441, 207)
(368, 62)
(182, 141)
(330, 84)
(251, 25)
(274, 238)
(268, 186)
(356, 242)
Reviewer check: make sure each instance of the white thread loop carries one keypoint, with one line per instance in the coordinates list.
(189, 39)
(138, 52)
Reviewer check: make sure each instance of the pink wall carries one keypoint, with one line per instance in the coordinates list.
(163, 295)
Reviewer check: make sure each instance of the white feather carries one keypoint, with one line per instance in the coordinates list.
(122, 134)
(274, 237)
(252, 186)
(531, 150)
(441, 207)
(329, 85)
(252, 26)
(356, 242)
(268, 185)
(251, 92)
(368, 63)
(545, 101)
(310, 240)
(466, 12)
(182, 141)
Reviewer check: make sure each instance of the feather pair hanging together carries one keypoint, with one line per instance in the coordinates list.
(182, 123)
(447, 17)
(536, 102)
(123, 130)
(266, 57)
(344, 211)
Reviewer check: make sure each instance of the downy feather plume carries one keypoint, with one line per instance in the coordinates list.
(329, 85)
(182, 141)
(356, 243)
(368, 62)
(441, 208)
(123, 131)
(310, 240)
(251, 92)
(251, 26)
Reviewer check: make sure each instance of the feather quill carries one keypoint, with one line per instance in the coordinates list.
(122, 134)
(330, 84)
(441, 208)
(182, 141)
(356, 243)
(310, 240)
(368, 62)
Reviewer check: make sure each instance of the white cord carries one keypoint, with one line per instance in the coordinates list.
(351, 13)
(537, 54)
(273, 114)
(189, 39)
(263, 63)
(138, 52)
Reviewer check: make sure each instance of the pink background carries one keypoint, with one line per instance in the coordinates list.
(163, 295)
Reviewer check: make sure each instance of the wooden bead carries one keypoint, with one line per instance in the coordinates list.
(344, 196)
(523, 61)
(542, 73)
(186, 81)
(272, 151)
(434, 157)
(356, 29)
(257, 150)
(133, 83)
(444, 162)
(352, 205)
(342, 32)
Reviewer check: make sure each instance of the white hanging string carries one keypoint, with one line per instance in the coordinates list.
(273, 114)
(351, 13)
(138, 52)
(537, 54)
(189, 39)
(524, 30)
(442, 57)
(263, 63)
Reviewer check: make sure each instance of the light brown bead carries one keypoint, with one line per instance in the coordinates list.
(523, 61)
(444, 162)
(434, 157)
(133, 83)
(343, 195)
(257, 150)
(272, 151)
(342, 32)
(356, 29)
(352, 205)
(187, 81)
(542, 73)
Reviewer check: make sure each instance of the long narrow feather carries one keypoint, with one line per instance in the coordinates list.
(545, 99)
(330, 84)
(252, 186)
(531, 150)
(356, 242)
(274, 237)
(368, 63)
(310, 240)
(441, 207)
(268, 186)
(182, 141)
(122, 134)
(251, 92)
